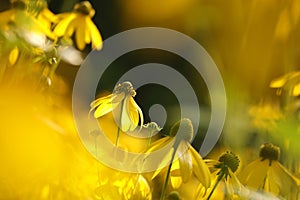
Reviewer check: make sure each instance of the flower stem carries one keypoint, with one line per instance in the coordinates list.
(120, 121)
(149, 138)
(220, 176)
(162, 197)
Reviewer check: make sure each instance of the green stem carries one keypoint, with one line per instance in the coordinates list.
(216, 184)
(119, 125)
(162, 197)
(149, 138)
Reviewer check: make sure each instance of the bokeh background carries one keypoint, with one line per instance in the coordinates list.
(251, 42)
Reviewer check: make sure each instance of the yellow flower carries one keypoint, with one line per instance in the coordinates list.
(121, 102)
(24, 22)
(265, 116)
(226, 185)
(19, 27)
(290, 81)
(267, 174)
(79, 22)
(187, 160)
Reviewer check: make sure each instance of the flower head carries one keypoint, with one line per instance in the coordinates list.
(126, 112)
(184, 161)
(79, 23)
(226, 185)
(268, 175)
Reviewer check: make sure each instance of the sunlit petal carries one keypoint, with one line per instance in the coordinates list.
(200, 168)
(254, 174)
(186, 163)
(64, 21)
(95, 35)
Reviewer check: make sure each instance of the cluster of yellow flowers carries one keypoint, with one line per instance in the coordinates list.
(207, 179)
(30, 33)
(43, 158)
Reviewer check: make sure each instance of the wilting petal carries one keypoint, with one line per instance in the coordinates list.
(103, 109)
(286, 182)
(175, 178)
(159, 144)
(162, 164)
(272, 184)
(94, 34)
(133, 104)
(80, 33)
(125, 122)
(200, 168)
(254, 174)
(185, 161)
(104, 105)
(100, 100)
(132, 110)
(63, 22)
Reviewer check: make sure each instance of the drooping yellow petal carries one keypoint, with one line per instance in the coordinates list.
(105, 105)
(63, 22)
(176, 178)
(200, 169)
(185, 162)
(100, 100)
(132, 110)
(48, 15)
(87, 35)
(103, 109)
(80, 25)
(272, 183)
(254, 174)
(125, 122)
(70, 29)
(140, 113)
(159, 144)
(94, 34)
(162, 164)
(286, 182)
(13, 56)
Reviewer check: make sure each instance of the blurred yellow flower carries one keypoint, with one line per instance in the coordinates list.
(289, 81)
(265, 116)
(268, 175)
(24, 21)
(134, 187)
(79, 22)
